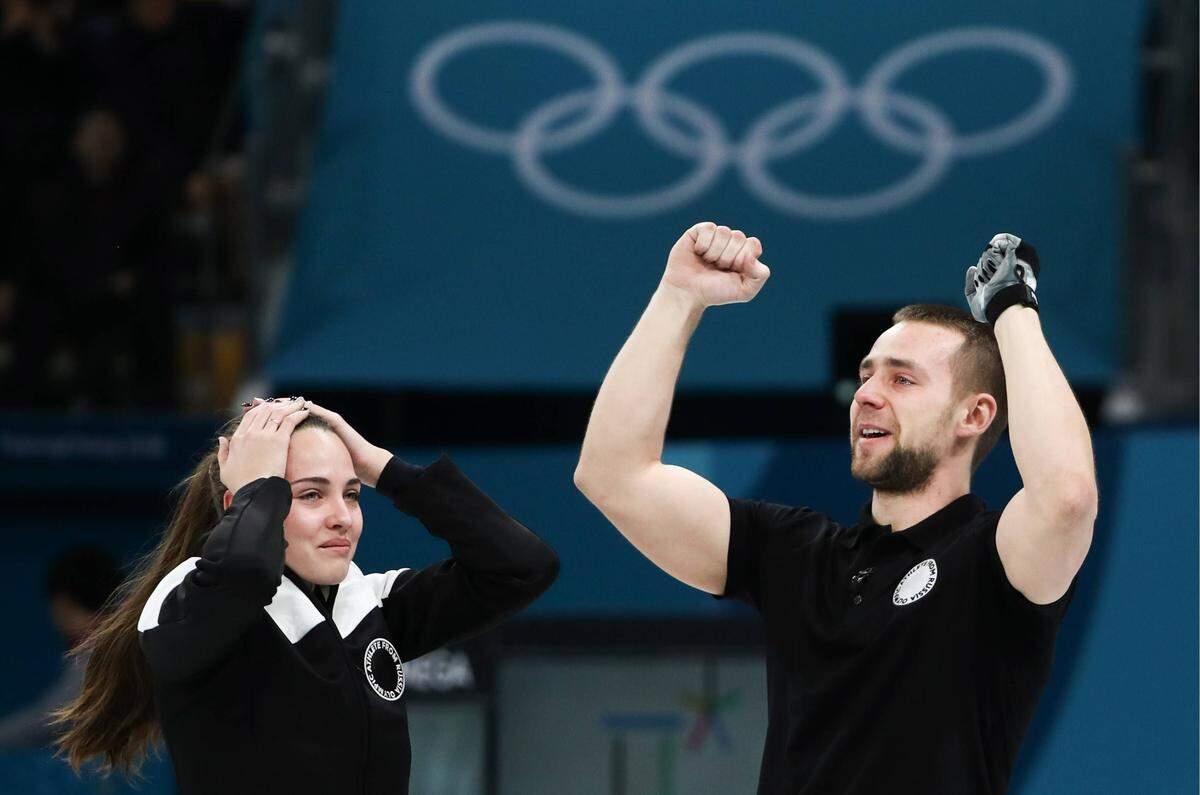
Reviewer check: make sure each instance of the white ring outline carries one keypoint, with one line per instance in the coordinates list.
(386, 646)
(1056, 72)
(834, 90)
(429, 102)
(653, 104)
(539, 179)
(938, 158)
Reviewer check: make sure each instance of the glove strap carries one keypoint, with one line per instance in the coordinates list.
(1027, 253)
(1012, 295)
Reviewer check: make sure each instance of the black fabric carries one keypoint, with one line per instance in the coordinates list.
(1027, 253)
(867, 695)
(1013, 295)
(322, 596)
(474, 589)
(398, 476)
(244, 709)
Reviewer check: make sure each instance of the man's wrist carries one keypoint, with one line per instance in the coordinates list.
(678, 299)
(1015, 317)
(1013, 295)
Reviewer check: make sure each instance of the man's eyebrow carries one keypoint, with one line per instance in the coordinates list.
(326, 481)
(893, 362)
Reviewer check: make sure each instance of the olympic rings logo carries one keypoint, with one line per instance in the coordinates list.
(690, 130)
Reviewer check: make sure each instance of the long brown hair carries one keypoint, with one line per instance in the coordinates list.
(114, 716)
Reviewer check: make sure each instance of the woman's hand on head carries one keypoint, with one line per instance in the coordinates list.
(259, 446)
(368, 459)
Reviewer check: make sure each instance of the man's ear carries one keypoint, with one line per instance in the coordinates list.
(981, 412)
(227, 499)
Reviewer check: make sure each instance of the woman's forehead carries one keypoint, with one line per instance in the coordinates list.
(316, 453)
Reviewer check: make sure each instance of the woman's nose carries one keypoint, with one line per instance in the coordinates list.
(339, 517)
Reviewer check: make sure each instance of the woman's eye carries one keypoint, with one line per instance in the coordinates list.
(352, 496)
(310, 495)
(903, 379)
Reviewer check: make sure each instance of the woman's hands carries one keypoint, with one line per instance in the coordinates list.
(259, 446)
(368, 459)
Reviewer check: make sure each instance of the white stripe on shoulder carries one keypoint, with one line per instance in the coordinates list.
(383, 582)
(292, 611)
(358, 595)
(149, 617)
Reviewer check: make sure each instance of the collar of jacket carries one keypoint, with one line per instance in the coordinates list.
(295, 612)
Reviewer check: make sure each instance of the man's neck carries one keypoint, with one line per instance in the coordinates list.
(902, 511)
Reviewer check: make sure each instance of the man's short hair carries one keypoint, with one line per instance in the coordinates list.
(977, 366)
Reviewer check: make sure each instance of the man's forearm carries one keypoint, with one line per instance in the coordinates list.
(630, 416)
(1050, 438)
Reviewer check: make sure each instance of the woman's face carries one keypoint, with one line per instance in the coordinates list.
(324, 524)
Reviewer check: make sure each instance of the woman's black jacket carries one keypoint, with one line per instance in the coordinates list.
(262, 686)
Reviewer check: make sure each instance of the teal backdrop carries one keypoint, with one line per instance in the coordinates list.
(496, 187)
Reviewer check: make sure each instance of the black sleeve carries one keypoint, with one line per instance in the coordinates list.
(1011, 607)
(497, 566)
(752, 525)
(203, 606)
(748, 541)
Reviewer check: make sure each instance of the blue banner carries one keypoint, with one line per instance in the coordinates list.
(496, 189)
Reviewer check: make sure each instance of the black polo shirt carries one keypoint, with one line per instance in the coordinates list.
(896, 662)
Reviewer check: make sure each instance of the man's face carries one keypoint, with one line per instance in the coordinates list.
(325, 522)
(901, 416)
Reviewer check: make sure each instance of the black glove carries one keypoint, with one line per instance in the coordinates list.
(1006, 275)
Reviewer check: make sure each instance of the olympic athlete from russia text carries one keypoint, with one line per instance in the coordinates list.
(250, 640)
(907, 652)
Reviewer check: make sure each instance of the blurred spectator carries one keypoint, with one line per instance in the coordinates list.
(78, 583)
(108, 117)
(165, 70)
(42, 87)
(97, 237)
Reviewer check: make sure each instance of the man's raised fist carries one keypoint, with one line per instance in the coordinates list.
(716, 265)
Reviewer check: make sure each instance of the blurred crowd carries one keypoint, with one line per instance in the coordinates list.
(119, 133)
(78, 582)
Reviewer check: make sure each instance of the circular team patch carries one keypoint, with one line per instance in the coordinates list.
(918, 582)
(384, 672)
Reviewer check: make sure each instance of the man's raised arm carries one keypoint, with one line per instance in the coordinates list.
(1046, 529)
(673, 516)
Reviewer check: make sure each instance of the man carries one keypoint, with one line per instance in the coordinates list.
(905, 653)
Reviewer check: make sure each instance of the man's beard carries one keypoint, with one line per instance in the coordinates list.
(904, 470)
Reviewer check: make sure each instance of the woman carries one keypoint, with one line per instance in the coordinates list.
(268, 660)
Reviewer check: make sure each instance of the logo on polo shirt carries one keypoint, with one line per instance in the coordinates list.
(918, 582)
(384, 672)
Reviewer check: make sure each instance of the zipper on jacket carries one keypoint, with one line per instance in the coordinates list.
(366, 716)
(327, 609)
